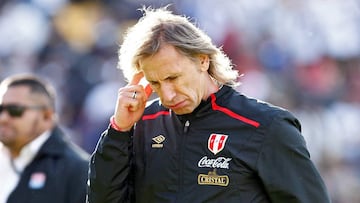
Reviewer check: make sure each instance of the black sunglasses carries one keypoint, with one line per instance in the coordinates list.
(15, 110)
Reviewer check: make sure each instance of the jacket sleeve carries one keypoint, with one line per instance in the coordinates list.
(109, 173)
(285, 167)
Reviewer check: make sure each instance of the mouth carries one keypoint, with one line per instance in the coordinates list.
(177, 105)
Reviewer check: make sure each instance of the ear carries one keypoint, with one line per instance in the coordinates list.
(204, 61)
(48, 114)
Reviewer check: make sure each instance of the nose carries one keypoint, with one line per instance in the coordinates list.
(167, 93)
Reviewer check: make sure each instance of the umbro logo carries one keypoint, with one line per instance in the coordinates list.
(158, 141)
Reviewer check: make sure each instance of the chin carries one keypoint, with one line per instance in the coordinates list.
(182, 111)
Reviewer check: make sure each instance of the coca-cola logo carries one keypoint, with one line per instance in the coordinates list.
(219, 162)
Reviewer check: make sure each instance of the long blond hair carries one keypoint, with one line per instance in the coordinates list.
(160, 26)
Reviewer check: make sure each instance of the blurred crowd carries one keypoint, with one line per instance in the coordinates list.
(301, 55)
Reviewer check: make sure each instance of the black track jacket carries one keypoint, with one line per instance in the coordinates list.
(230, 149)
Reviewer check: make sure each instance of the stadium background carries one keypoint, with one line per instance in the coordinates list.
(301, 55)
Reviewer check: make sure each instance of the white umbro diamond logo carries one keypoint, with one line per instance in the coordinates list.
(158, 141)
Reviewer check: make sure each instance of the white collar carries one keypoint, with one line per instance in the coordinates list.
(29, 151)
(10, 170)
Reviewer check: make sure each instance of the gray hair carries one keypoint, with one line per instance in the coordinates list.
(161, 26)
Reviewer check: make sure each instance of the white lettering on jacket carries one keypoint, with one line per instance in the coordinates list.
(220, 162)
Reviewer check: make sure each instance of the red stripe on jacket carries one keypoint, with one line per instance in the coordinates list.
(231, 113)
(153, 116)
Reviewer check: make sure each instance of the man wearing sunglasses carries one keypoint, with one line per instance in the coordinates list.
(38, 163)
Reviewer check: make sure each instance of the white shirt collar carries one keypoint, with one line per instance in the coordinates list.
(9, 175)
(29, 151)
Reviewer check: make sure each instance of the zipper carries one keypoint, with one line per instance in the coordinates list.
(182, 158)
(186, 126)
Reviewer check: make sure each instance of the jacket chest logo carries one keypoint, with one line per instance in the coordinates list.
(37, 180)
(158, 141)
(212, 178)
(216, 142)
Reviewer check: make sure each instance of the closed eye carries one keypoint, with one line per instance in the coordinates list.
(172, 78)
(168, 79)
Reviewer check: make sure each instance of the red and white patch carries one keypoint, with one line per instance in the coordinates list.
(216, 143)
(37, 180)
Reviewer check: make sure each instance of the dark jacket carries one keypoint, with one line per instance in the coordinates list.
(230, 149)
(58, 174)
